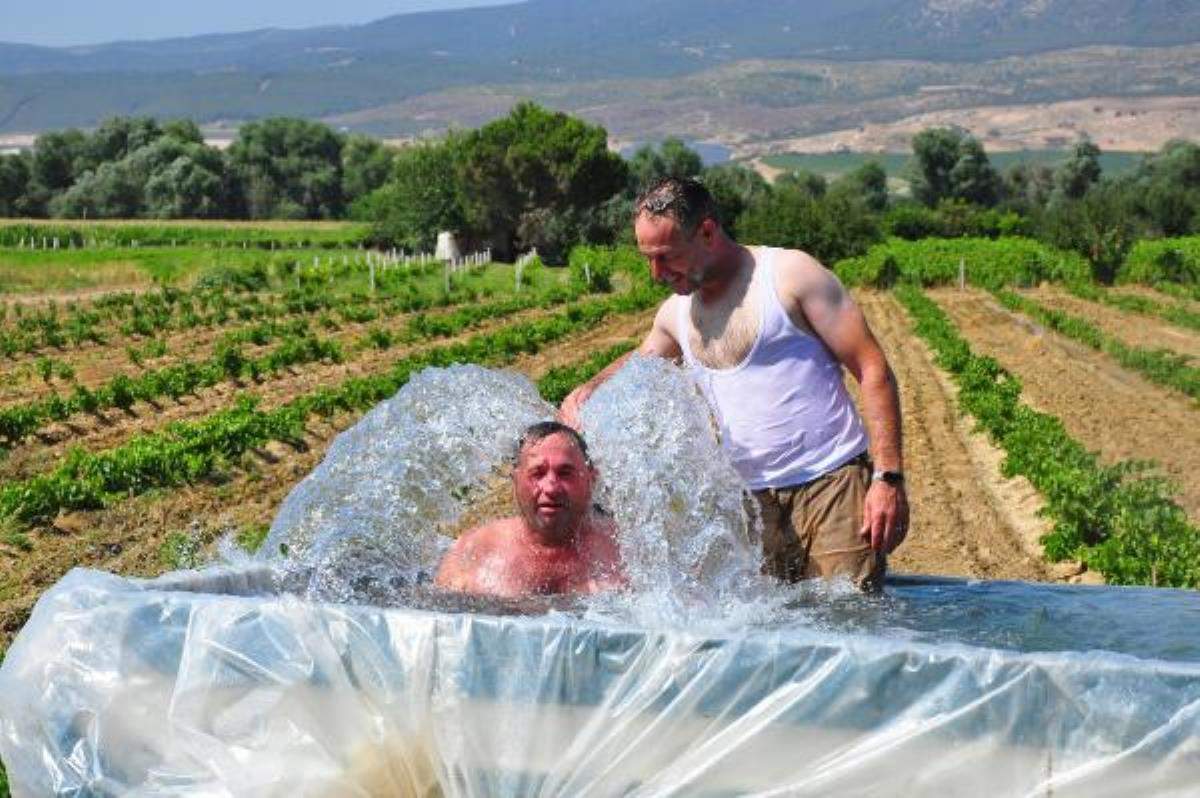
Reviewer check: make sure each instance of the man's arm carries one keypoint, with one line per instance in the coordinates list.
(816, 299)
(659, 341)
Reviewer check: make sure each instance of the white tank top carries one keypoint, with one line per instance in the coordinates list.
(784, 413)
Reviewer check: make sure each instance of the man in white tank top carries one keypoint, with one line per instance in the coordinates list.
(767, 333)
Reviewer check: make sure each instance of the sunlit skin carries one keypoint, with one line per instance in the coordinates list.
(717, 271)
(555, 546)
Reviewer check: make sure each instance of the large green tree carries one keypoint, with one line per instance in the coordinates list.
(14, 184)
(289, 168)
(734, 188)
(868, 183)
(366, 165)
(671, 158)
(950, 164)
(1080, 171)
(529, 178)
(422, 197)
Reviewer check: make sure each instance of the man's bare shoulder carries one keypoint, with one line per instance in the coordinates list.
(801, 280)
(485, 537)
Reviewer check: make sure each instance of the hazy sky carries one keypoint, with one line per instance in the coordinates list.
(63, 22)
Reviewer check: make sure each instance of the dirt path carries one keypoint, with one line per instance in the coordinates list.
(128, 538)
(1105, 407)
(967, 520)
(1132, 329)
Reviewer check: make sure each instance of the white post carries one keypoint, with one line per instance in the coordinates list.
(587, 274)
(372, 278)
(962, 274)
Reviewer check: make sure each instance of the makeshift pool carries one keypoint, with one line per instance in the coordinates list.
(336, 671)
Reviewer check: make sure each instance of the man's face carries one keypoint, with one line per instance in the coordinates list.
(553, 486)
(675, 259)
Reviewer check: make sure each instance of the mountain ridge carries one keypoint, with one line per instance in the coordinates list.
(338, 70)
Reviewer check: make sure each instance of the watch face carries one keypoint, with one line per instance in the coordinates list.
(891, 477)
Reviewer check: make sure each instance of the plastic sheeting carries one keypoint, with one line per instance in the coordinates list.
(213, 684)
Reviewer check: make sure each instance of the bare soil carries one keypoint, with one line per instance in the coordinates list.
(966, 519)
(1146, 332)
(1138, 124)
(1106, 408)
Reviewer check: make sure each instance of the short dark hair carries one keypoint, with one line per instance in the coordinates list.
(684, 199)
(544, 429)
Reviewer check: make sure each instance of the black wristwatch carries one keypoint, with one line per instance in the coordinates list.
(893, 478)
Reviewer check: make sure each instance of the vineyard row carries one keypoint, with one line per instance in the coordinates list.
(1117, 519)
(186, 452)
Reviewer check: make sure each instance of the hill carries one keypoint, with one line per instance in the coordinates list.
(554, 46)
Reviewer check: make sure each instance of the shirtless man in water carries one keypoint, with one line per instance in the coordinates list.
(556, 545)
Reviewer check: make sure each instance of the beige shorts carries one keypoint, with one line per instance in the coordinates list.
(812, 529)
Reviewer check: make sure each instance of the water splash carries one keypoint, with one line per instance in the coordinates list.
(370, 524)
(689, 534)
(370, 520)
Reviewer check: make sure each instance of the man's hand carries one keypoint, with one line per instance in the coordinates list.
(885, 516)
(568, 413)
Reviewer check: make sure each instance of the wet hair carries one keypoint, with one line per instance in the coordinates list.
(535, 433)
(683, 199)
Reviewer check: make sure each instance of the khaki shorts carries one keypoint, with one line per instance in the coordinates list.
(812, 529)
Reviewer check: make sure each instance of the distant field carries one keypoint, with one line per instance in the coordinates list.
(836, 163)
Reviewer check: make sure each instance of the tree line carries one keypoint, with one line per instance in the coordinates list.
(539, 178)
(138, 167)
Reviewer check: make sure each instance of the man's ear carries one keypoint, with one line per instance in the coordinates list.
(708, 230)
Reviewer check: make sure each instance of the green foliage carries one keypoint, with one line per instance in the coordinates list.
(952, 218)
(1076, 175)
(556, 383)
(251, 536)
(868, 183)
(1171, 260)
(1102, 226)
(1116, 519)
(522, 172)
(289, 169)
(734, 188)
(1166, 188)
(988, 263)
(831, 228)
(591, 268)
(77, 234)
(1162, 366)
(366, 165)
(421, 198)
(950, 164)
(671, 158)
(14, 184)
(181, 550)
(186, 452)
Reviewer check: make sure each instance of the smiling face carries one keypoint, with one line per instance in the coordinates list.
(553, 485)
(676, 259)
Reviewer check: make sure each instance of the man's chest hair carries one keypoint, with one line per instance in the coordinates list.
(721, 337)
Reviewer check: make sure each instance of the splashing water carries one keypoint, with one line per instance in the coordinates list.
(370, 522)
(690, 541)
(367, 523)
